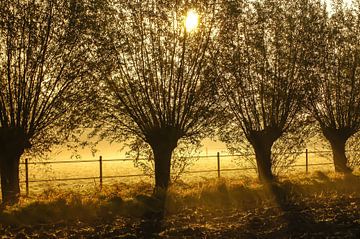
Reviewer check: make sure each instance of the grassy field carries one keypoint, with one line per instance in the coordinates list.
(313, 206)
(74, 169)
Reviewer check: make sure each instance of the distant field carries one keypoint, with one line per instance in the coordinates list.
(230, 167)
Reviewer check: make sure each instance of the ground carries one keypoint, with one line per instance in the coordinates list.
(312, 207)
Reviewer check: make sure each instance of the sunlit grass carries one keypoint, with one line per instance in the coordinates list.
(55, 206)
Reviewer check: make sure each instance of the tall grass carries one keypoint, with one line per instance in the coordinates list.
(55, 206)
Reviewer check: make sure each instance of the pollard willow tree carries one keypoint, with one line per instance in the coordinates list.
(43, 67)
(334, 99)
(159, 91)
(261, 78)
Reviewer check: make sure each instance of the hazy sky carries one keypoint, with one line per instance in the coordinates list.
(111, 151)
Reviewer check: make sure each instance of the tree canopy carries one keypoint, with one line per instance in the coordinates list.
(157, 69)
(262, 75)
(334, 98)
(45, 64)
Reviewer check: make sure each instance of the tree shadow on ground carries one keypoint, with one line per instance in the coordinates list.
(298, 215)
(292, 211)
(315, 207)
(152, 219)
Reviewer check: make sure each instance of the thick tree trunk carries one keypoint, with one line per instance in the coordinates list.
(162, 157)
(262, 142)
(162, 142)
(263, 162)
(339, 156)
(337, 139)
(12, 145)
(9, 169)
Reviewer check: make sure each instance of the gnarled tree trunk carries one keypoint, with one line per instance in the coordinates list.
(163, 143)
(263, 162)
(337, 140)
(262, 142)
(9, 169)
(12, 145)
(162, 157)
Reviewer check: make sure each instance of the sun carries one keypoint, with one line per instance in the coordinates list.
(191, 20)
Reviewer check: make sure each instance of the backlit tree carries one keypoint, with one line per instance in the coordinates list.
(157, 75)
(261, 77)
(335, 93)
(44, 64)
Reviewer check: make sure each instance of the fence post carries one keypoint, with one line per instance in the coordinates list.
(101, 173)
(307, 161)
(218, 164)
(27, 177)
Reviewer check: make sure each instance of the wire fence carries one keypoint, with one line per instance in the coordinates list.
(220, 159)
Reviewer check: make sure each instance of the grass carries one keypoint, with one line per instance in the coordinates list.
(212, 208)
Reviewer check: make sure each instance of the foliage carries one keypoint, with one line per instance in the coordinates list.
(333, 75)
(335, 88)
(261, 77)
(154, 74)
(45, 68)
(158, 70)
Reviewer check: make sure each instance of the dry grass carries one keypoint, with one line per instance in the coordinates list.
(211, 203)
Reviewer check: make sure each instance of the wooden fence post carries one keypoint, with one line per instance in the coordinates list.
(218, 164)
(27, 177)
(101, 173)
(307, 161)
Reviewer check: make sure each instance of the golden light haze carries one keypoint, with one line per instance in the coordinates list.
(191, 21)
